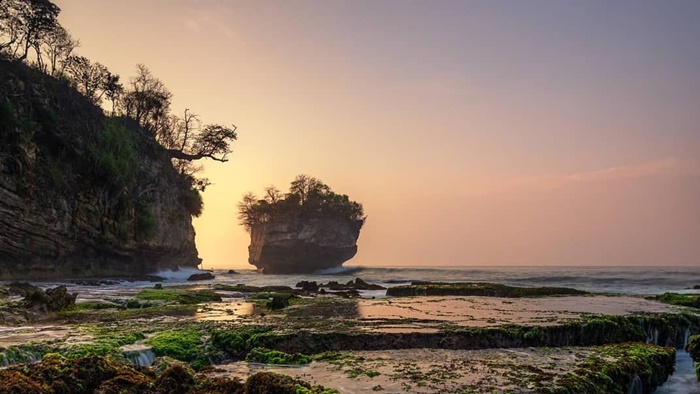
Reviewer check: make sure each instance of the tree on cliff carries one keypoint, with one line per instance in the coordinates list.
(23, 23)
(148, 102)
(93, 80)
(308, 196)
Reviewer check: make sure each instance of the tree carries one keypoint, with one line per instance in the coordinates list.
(113, 90)
(307, 188)
(307, 197)
(23, 25)
(58, 46)
(91, 79)
(273, 195)
(147, 101)
(11, 25)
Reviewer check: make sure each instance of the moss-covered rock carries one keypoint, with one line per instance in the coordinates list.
(476, 289)
(269, 356)
(689, 300)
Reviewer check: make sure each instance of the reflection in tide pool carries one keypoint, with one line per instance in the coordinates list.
(233, 309)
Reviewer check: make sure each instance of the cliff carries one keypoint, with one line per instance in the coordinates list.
(302, 244)
(82, 194)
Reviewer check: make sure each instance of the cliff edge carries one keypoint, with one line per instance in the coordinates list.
(83, 194)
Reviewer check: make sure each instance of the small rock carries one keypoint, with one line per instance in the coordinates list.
(307, 286)
(232, 272)
(51, 300)
(202, 276)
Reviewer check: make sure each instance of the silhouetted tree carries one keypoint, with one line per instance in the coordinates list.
(58, 46)
(113, 90)
(91, 79)
(24, 23)
(307, 196)
(147, 101)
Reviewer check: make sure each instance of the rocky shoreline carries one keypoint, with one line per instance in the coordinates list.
(328, 331)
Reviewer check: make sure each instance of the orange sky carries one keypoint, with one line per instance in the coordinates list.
(474, 133)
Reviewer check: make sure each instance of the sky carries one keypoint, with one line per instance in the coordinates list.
(473, 132)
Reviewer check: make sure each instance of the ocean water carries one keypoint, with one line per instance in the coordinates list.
(622, 280)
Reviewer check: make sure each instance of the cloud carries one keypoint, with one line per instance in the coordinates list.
(200, 20)
(666, 167)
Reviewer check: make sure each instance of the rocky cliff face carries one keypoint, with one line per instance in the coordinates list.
(301, 244)
(82, 195)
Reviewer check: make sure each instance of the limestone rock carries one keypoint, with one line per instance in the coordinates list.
(302, 244)
(61, 213)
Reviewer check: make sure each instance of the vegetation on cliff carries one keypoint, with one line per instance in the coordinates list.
(307, 196)
(98, 166)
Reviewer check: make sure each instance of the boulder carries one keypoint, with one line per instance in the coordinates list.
(202, 276)
(51, 300)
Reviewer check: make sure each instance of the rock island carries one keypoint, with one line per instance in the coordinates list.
(311, 228)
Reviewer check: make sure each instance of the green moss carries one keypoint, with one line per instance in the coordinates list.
(184, 345)
(268, 356)
(679, 299)
(611, 368)
(694, 348)
(106, 343)
(181, 296)
(237, 342)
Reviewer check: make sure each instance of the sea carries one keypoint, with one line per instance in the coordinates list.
(619, 280)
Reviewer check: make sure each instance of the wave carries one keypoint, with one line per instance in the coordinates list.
(179, 274)
(339, 270)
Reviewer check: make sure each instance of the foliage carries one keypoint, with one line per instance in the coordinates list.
(145, 222)
(192, 199)
(24, 24)
(32, 25)
(307, 196)
(269, 356)
(114, 154)
(93, 80)
(8, 119)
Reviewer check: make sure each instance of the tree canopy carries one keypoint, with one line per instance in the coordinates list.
(307, 196)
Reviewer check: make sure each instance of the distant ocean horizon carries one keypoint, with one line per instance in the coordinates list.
(621, 279)
(596, 279)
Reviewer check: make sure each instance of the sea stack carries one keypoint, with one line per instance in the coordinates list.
(311, 228)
